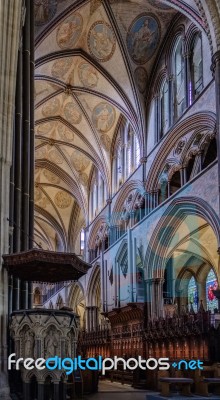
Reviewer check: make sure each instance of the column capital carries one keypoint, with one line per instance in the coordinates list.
(143, 160)
(215, 61)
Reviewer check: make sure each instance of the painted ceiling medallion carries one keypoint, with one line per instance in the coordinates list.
(51, 177)
(79, 161)
(45, 128)
(72, 113)
(143, 38)
(62, 199)
(101, 41)
(140, 75)
(51, 107)
(55, 157)
(61, 67)
(159, 4)
(88, 75)
(69, 31)
(65, 134)
(41, 153)
(103, 117)
(44, 11)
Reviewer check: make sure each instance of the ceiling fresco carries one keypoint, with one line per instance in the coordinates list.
(94, 60)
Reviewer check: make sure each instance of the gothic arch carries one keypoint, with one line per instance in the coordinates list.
(155, 259)
(94, 287)
(131, 187)
(198, 122)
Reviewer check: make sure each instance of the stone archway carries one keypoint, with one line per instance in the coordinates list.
(181, 235)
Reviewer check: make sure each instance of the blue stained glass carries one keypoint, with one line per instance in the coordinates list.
(211, 284)
(193, 294)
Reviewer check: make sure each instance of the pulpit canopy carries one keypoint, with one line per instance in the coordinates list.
(39, 265)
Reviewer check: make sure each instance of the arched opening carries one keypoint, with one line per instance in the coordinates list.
(189, 168)
(33, 388)
(175, 182)
(77, 303)
(210, 154)
(48, 389)
(184, 246)
(37, 297)
(94, 317)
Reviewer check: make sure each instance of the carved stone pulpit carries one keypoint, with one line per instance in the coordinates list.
(42, 333)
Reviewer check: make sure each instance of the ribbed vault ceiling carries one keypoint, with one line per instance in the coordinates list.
(94, 63)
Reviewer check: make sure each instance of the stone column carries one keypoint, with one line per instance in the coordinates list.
(134, 272)
(10, 19)
(18, 175)
(216, 73)
(159, 297)
(148, 297)
(56, 392)
(26, 146)
(64, 391)
(26, 390)
(40, 390)
(130, 265)
(32, 137)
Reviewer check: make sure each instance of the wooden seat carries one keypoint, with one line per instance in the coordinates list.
(202, 381)
(185, 384)
(204, 386)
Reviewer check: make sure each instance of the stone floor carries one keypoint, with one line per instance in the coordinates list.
(117, 391)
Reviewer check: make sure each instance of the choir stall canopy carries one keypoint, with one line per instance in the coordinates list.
(39, 265)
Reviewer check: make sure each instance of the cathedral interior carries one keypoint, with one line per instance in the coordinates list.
(110, 189)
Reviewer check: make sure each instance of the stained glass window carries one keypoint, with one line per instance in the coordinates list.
(193, 294)
(197, 66)
(180, 93)
(137, 152)
(164, 109)
(211, 284)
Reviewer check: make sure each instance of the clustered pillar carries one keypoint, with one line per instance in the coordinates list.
(22, 170)
(216, 72)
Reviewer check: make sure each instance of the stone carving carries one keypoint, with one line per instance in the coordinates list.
(51, 177)
(51, 107)
(143, 38)
(179, 147)
(101, 41)
(62, 199)
(51, 343)
(88, 75)
(29, 343)
(65, 133)
(103, 117)
(44, 11)
(79, 161)
(72, 113)
(141, 78)
(61, 67)
(44, 334)
(69, 31)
